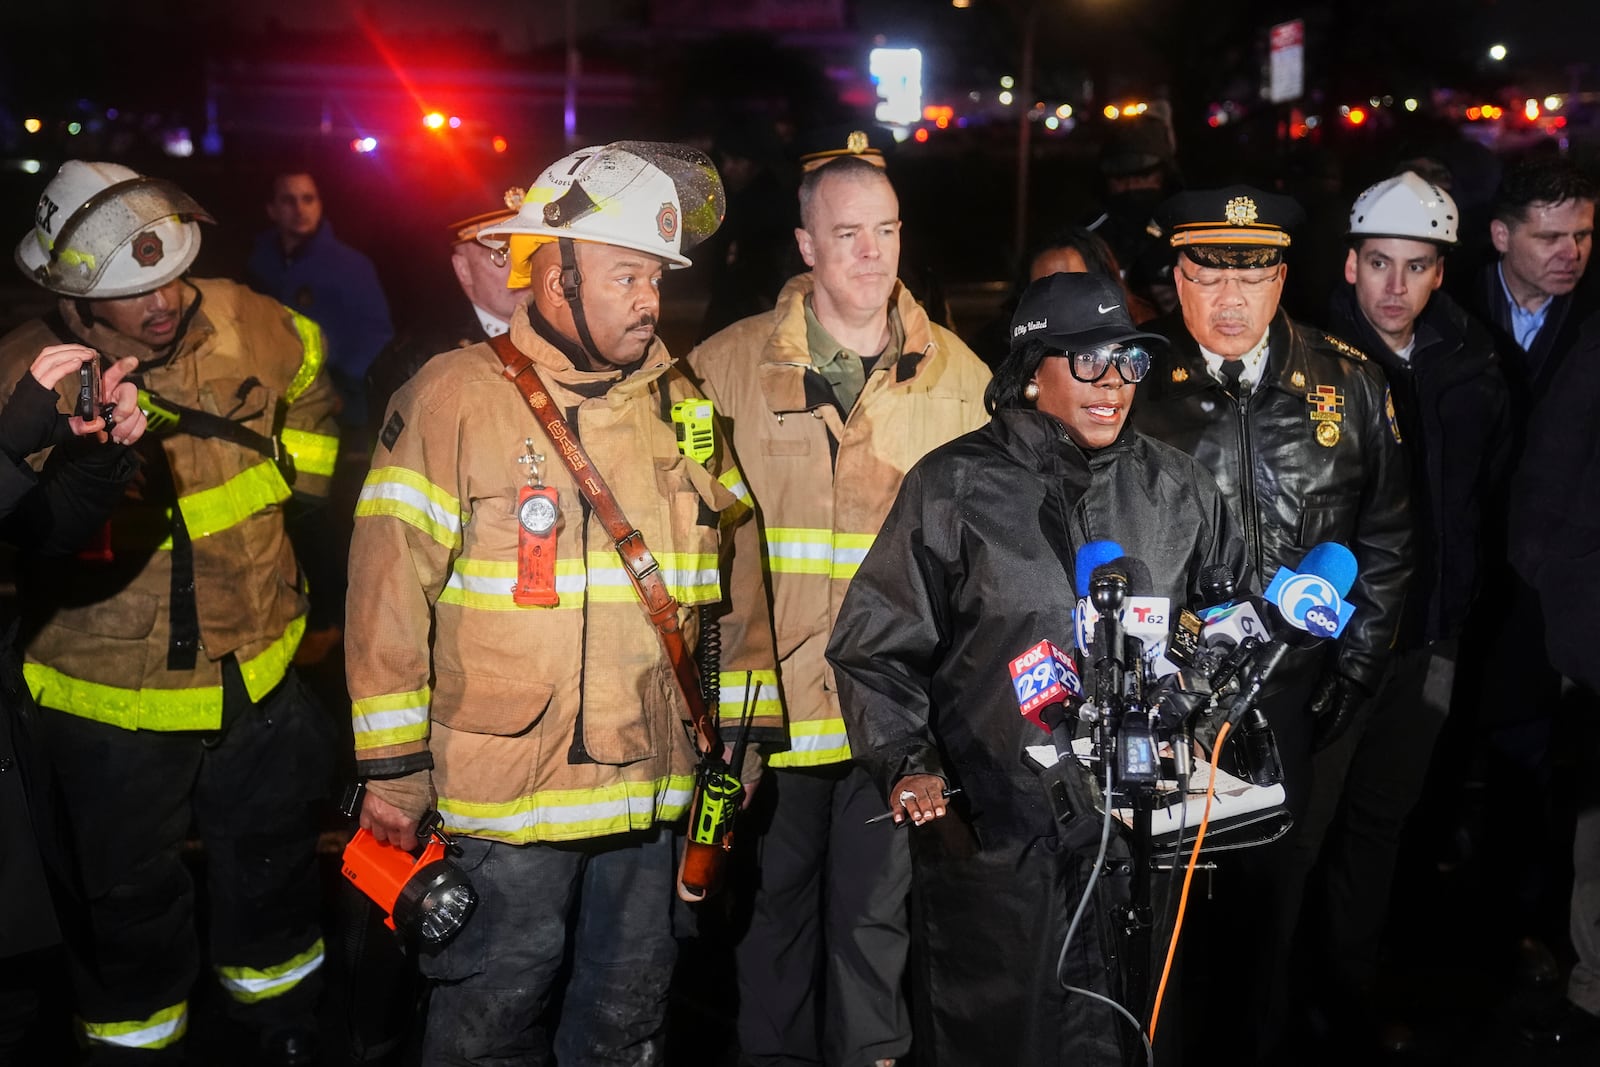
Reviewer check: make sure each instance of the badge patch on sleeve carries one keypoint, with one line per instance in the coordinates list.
(1388, 411)
(391, 431)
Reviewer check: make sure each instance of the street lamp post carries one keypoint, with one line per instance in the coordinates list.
(1024, 99)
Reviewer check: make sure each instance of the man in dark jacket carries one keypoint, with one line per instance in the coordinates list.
(1555, 546)
(300, 263)
(1536, 295)
(1295, 426)
(1453, 411)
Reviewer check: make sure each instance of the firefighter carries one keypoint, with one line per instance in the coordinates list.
(547, 732)
(832, 396)
(163, 665)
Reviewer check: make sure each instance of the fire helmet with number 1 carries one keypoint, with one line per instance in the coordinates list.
(103, 231)
(653, 197)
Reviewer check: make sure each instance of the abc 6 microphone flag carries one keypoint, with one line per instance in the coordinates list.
(1312, 599)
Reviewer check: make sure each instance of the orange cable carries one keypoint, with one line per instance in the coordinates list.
(1188, 876)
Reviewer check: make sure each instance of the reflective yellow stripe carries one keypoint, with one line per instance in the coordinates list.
(798, 550)
(733, 481)
(734, 690)
(848, 552)
(808, 550)
(813, 743)
(227, 505)
(572, 814)
(486, 585)
(408, 496)
(692, 577)
(247, 985)
(199, 708)
(162, 1029)
(391, 719)
(311, 363)
(314, 453)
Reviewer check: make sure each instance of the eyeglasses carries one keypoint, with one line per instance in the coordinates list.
(1090, 365)
(1215, 282)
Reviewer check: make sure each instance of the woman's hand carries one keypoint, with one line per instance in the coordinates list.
(919, 796)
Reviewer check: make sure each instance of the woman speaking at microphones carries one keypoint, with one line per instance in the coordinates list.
(973, 567)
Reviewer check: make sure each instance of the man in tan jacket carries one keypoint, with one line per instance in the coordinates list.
(162, 662)
(832, 396)
(550, 737)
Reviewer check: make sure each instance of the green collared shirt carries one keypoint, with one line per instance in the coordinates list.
(846, 371)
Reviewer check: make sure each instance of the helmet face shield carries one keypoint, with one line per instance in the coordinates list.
(127, 237)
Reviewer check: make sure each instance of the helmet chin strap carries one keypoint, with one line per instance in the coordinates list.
(571, 283)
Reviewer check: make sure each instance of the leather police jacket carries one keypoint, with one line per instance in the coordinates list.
(1454, 413)
(973, 566)
(1312, 454)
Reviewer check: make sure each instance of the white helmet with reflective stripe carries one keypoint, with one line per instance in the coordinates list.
(647, 196)
(103, 231)
(1405, 206)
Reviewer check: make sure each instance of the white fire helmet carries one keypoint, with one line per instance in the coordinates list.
(103, 231)
(647, 196)
(1405, 206)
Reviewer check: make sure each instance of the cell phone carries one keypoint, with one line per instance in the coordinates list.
(89, 389)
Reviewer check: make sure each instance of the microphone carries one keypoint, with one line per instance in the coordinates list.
(1217, 584)
(1311, 602)
(1047, 685)
(1090, 556)
(1312, 599)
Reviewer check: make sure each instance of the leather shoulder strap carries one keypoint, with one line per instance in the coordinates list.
(657, 600)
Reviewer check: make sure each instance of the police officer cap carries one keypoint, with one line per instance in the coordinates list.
(1237, 226)
(868, 142)
(1076, 312)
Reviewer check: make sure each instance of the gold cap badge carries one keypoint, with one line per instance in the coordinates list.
(856, 142)
(1180, 374)
(1240, 211)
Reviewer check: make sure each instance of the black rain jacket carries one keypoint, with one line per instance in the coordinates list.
(972, 567)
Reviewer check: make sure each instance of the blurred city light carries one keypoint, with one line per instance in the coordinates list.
(1052, 123)
(32, 125)
(897, 72)
(74, 128)
(1007, 82)
(961, 3)
(364, 144)
(455, 122)
(1411, 103)
(1064, 111)
(30, 166)
(1357, 116)
(921, 135)
(1005, 97)
(1553, 103)
(1497, 52)
(499, 143)
(1111, 111)
(433, 120)
(1530, 109)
